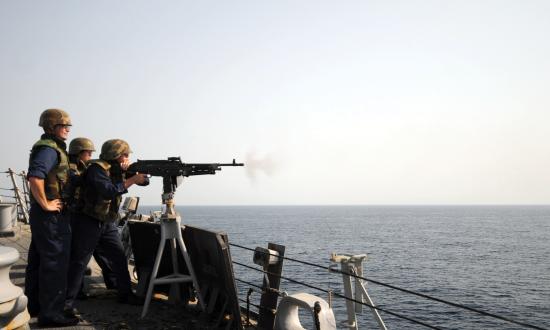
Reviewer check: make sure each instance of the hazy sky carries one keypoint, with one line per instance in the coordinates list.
(329, 102)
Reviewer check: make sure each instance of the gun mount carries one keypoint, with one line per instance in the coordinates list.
(172, 171)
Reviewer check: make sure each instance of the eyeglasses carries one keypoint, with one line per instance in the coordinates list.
(65, 126)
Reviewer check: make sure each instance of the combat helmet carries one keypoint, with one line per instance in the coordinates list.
(112, 149)
(80, 144)
(51, 117)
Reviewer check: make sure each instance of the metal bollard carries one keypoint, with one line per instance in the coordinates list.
(288, 317)
(13, 303)
(7, 219)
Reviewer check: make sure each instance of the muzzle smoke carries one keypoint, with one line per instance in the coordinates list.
(255, 164)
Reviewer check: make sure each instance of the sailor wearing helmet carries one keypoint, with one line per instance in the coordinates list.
(47, 264)
(80, 153)
(104, 183)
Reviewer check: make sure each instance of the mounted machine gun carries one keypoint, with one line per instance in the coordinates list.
(172, 171)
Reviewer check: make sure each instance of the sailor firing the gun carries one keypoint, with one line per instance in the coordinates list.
(104, 184)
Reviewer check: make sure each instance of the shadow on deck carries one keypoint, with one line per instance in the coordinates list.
(101, 310)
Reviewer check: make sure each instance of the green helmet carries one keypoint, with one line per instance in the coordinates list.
(112, 149)
(51, 117)
(80, 144)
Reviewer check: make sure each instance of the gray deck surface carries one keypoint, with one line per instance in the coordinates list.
(101, 311)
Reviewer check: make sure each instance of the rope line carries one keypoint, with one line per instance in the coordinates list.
(280, 294)
(249, 283)
(7, 196)
(471, 309)
(342, 296)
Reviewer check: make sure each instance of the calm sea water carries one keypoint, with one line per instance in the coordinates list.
(494, 258)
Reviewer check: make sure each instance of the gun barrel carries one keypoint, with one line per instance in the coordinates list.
(232, 164)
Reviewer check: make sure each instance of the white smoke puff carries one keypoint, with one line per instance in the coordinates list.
(254, 164)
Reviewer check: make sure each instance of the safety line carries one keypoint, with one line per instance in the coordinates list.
(8, 196)
(502, 318)
(249, 283)
(342, 296)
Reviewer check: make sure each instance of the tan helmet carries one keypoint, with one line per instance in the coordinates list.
(51, 117)
(80, 144)
(112, 149)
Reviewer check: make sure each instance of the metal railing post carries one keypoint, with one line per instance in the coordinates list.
(18, 197)
(26, 189)
(352, 320)
(269, 298)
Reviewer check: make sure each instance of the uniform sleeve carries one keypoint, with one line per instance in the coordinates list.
(42, 162)
(97, 178)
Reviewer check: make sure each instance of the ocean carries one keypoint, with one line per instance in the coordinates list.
(492, 258)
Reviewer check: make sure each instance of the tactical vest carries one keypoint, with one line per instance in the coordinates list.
(72, 193)
(94, 204)
(57, 177)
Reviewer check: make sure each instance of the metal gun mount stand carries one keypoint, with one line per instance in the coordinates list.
(170, 229)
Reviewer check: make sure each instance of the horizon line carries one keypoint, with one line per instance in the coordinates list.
(374, 205)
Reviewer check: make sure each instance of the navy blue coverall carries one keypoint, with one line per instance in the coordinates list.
(90, 234)
(48, 259)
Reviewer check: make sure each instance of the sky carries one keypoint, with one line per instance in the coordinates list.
(326, 102)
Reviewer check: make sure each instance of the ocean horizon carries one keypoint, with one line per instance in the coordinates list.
(490, 257)
(149, 206)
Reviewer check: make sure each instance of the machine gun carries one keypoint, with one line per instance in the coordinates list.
(172, 171)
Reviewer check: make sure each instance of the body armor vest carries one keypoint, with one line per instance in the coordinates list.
(57, 177)
(73, 191)
(97, 206)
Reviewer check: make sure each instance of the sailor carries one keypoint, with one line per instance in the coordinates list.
(80, 152)
(48, 259)
(103, 186)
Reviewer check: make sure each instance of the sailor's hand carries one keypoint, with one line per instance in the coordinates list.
(140, 178)
(125, 164)
(53, 206)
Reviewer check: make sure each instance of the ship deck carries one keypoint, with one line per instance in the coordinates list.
(100, 310)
